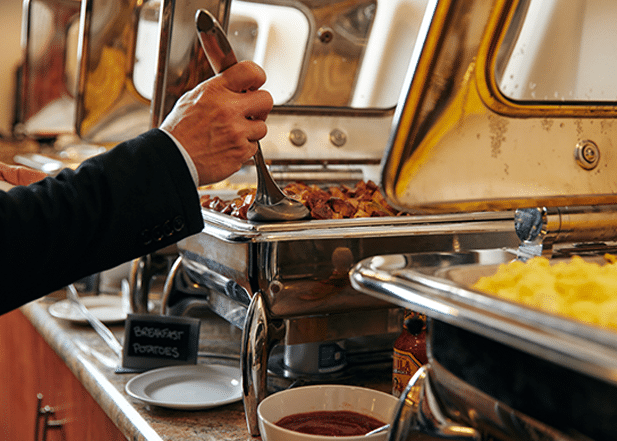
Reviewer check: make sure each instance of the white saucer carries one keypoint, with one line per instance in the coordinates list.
(106, 308)
(189, 387)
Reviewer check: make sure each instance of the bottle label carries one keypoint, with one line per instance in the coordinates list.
(404, 367)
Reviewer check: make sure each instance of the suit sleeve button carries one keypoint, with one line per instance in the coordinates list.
(178, 223)
(146, 237)
(168, 230)
(157, 233)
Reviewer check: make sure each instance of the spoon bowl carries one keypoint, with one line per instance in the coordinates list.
(270, 203)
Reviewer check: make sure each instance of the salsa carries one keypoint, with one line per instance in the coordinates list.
(330, 423)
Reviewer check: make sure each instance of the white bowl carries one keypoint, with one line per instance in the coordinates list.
(366, 401)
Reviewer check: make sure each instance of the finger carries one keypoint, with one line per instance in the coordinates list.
(257, 104)
(257, 130)
(251, 150)
(18, 175)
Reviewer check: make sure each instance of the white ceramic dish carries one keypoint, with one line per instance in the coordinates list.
(366, 401)
(189, 387)
(106, 308)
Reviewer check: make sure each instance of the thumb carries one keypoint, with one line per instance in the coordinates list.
(243, 76)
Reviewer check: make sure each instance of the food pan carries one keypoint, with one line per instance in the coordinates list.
(302, 266)
(439, 284)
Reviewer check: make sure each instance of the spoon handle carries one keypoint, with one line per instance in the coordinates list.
(378, 430)
(214, 42)
(221, 56)
(103, 331)
(272, 192)
(270, 202)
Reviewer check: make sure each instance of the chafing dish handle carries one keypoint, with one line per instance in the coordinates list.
(419, 412)
(261, 333)
(553, 225)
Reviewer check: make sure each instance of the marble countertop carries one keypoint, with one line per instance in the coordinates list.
(94, 364)
(9, 148)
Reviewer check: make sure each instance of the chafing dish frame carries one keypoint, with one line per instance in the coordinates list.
(423, 282)
(240, 263)
(442, 406)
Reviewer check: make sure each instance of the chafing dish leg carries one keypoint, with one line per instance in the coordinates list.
(139, 279)
(419, 412)
(142, 272)
(259, 336)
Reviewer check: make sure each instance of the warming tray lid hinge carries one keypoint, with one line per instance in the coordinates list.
(566, 230)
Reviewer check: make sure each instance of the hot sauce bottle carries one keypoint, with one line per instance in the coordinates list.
(409, 351)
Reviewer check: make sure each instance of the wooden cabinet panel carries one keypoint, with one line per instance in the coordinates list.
(28, 367)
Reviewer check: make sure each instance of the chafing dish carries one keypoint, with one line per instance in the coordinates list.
(45, 98)
(287, 282)
(499, 370)
(556, 370)
(137, 58)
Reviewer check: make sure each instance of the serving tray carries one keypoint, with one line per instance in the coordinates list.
(439, 285)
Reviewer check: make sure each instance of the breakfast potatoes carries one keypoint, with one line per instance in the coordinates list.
(577, 288)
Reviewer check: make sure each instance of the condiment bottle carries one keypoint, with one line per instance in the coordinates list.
(409, 351)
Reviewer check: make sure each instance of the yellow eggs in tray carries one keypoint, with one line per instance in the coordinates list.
(577, 288)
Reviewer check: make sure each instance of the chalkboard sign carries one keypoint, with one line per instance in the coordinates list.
(152, 341)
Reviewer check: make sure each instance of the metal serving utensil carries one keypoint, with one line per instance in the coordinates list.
(270, 203)
(103, 331)
(378, 430)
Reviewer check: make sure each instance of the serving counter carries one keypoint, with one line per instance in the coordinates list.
(93, 364)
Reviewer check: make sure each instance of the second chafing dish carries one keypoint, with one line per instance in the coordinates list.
(560, 372)
(499, 370)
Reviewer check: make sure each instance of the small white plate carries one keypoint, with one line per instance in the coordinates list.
(189, 387)
(106, 308)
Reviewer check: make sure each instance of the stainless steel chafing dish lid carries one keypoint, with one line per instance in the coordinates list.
(493, 117)
(439, 285)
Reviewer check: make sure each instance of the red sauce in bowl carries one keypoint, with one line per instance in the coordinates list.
(330, 423)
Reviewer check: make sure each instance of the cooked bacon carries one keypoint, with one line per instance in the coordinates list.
(342, 202)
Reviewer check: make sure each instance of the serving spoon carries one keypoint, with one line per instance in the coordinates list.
(378, 430)
(103, 331)
(270, 203)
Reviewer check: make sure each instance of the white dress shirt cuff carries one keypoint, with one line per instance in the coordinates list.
(189, 162)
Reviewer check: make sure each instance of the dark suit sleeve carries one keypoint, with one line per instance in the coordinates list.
(130, 201)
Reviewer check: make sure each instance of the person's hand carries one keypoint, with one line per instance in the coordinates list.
(18, 175)
(220, 121)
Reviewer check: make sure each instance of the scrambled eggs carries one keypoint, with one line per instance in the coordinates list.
(579, 289)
